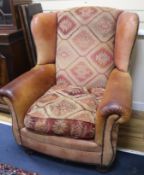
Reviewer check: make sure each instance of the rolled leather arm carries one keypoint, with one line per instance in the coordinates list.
(24, 90)
(117, 100)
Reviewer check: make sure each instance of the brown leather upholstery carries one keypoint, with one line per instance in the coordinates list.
(124, 39)
(32, 85)
(45, 37)
(117, 100)
(114, 109)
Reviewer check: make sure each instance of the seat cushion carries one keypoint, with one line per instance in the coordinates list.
(65, 110)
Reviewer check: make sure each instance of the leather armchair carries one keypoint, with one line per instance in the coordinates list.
(41, 100)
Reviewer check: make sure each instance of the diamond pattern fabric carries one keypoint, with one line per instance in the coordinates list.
(85, 41)
(66, 111)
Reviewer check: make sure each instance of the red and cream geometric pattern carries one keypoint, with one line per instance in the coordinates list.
(66, 111)
(103, 26)
(85, 41)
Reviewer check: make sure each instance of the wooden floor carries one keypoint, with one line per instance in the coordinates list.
(5, 117)
(131, 135)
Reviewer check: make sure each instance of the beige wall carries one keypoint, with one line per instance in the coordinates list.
(132, 5)
(138, 54)
(138, 74)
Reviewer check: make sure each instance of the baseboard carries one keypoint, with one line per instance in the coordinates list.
(141, 32)
(139, 106)
(5, 123)
(131, 151)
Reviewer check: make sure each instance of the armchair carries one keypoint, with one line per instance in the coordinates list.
(71, 103)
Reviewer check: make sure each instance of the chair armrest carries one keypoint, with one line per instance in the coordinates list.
(24, 90)
(117, 97)
(117, 100)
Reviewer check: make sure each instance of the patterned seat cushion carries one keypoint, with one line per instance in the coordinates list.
(65, 110)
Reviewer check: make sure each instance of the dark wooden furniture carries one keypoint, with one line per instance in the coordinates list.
(26, 13)
(12, 47)
(13, 56)
(7, 15)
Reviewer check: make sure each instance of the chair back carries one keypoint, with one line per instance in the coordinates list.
(85, 45)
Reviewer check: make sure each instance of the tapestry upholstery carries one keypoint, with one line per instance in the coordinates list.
(84, 60)
(66, 111)
(85, 42)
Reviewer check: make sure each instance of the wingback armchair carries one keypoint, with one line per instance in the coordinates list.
(71, 103)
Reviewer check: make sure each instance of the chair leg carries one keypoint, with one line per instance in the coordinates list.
(28, 151)
(103, 169)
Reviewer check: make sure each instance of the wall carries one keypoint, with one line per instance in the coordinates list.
(138, 74)
(138, 53)
(131, 5)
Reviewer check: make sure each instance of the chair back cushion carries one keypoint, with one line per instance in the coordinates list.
(85, 43)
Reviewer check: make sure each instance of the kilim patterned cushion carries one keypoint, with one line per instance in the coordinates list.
(85, 45)
(66, 111)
